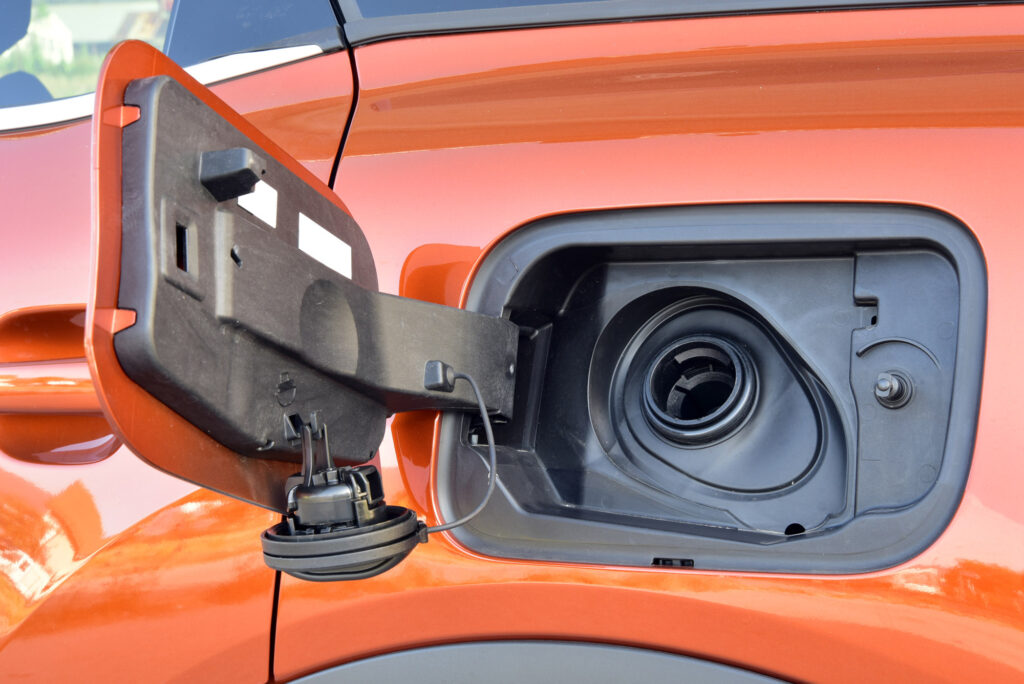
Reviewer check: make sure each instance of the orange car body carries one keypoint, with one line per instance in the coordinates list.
(111, 569)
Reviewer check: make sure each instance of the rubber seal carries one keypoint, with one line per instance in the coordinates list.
(350, 553)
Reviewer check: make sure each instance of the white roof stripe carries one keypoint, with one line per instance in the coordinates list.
(210, 71)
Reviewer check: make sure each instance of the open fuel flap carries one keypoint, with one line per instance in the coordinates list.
(236, 335)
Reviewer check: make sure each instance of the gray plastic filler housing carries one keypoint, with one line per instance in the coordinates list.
(775, 388)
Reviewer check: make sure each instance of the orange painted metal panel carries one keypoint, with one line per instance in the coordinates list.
(302, 107)
(477, 134)
(181, 596)
(42, 333)
(57, 439)
(55, 387)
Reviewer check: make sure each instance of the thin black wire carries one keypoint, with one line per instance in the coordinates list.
(492, 478)
(354, 68)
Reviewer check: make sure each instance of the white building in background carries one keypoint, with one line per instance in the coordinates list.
(93, 26)
(99, 25)
(50, 36)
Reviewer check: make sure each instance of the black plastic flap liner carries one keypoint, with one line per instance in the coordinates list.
(256, 296)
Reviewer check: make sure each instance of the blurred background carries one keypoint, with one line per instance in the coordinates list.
(64, 42)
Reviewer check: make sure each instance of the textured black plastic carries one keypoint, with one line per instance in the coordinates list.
(242, 332)
(230, 173)
(820, 478)
(345, 554)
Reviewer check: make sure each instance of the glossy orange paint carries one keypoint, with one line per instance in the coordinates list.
(67, 439)
(110, 569)
(55, 387)
(49, 411)
(302, 107)
(437, 273)
(479, 134)
(183, 595)
(42, 333)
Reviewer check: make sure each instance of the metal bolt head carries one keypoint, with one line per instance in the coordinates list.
(886, 386)
(892, 390)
